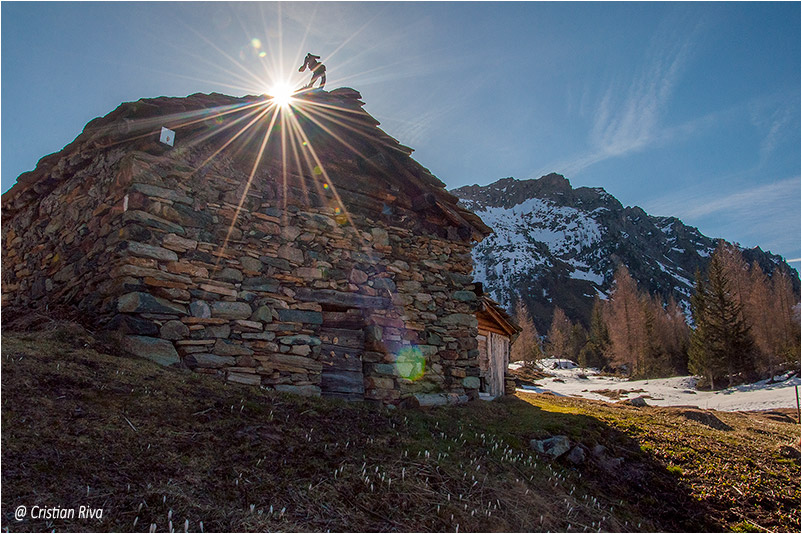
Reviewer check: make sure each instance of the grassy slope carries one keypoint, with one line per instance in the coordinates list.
(150, 445)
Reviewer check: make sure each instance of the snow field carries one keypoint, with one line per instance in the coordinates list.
(781, 392)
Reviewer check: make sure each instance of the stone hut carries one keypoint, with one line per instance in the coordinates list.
(497, 333)
(297, 248)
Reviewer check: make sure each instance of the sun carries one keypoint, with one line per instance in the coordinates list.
(281, 94)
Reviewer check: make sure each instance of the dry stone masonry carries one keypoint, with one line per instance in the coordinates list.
(323, 262)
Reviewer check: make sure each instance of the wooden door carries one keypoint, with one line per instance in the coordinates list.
(343, 343)
(499, 358)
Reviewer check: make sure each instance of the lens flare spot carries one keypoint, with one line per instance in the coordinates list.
(325, 186)
(318, 171)
(410, 363)
(262, 54)
(256, 43)
(337, 211)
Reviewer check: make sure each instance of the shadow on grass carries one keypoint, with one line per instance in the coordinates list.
(616, 467)
(164, 447)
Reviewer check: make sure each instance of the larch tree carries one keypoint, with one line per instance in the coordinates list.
(527, 345)
(761, 311)
(625, 323)
(788, 316)
(559, 336)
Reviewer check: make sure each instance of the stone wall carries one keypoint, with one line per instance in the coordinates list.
(197, 262)
(57, 252)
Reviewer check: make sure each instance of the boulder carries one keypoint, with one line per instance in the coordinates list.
(178, 243)
(464, 296)
(158, 350)
(161, 192)
(576, 456)
(553, 447)
(640, 402)
(146, 219)
(291, 254)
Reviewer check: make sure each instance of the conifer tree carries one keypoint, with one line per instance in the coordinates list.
(593, 354)
(701, 353)
(721, 344)
(654, 360)
(527, 345)
(577, 339)
(677, 337)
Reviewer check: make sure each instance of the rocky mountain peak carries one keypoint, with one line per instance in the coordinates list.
(558, 246)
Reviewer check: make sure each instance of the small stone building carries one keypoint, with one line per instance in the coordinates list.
(300, 249)
(497, 333)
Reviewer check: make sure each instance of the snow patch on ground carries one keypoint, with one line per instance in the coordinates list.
(570, 380)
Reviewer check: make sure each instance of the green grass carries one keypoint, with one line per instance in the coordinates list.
(151, 445)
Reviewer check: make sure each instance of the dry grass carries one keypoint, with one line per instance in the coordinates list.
(154, 446)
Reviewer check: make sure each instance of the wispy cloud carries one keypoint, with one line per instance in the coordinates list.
(771, 119)
(749, 201)
(767, 215)
(628, 115)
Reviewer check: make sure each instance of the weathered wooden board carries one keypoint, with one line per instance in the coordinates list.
(340, 358)
(343, 337)
(351, 319)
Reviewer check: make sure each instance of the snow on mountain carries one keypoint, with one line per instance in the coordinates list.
(559, 246)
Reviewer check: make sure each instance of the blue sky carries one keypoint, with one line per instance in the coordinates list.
(685, 109)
